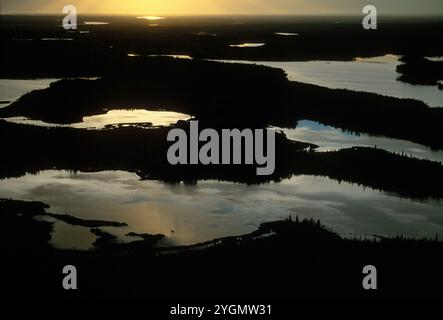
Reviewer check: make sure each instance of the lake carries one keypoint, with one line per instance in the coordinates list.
(188, 214)
(375, 75)
(115, 118)
(329, 138)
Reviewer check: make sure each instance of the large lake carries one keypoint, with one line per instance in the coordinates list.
(189, 214)
(376, 75)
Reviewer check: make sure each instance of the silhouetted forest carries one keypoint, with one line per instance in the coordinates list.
(288, 259)
(319, 38)
(420, 70)
(240, 95)
(144, 152)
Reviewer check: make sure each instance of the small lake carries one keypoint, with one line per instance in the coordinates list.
(247, 45)
(435, 58)
(329, 138)
(286, 34)
(95, 23)
(57, 39)
(174, 56)
(376, 75)
(189, 214)
(115, 118)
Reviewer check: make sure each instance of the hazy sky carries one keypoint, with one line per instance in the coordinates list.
(223, 6)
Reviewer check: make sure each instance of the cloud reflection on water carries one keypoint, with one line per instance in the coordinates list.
(214, 209)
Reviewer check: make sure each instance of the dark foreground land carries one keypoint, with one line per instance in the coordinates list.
(281, 261)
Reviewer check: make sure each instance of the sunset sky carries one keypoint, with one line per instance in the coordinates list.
(223, 6)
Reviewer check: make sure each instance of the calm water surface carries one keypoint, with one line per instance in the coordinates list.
(212, 209)
(12, 89)
(329, 138)
(114, 118)
(376, 75)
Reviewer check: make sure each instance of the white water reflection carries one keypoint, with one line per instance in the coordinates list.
(286, 34)
(376, 75)
(329, 138)
(205, 33)
(114, 118)
(95, 23)
(136, 116)
(12, 89)
(174, 56)
(57, 39)
(247, 45)
(436, 59)
(189, 214)
(151, 18)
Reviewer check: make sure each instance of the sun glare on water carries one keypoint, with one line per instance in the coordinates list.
(151, 18)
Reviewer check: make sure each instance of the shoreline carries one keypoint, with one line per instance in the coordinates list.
(321, 263)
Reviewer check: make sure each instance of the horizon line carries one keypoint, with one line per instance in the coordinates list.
(219, 14)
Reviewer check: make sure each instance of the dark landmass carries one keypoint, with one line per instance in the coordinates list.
(108, 242)
(24, 212)
(103, 238)
(36, 208)
(374, 114)
(21, 232)
(144, 152)
(144, 236)
(239, 95)
(85, 223)
(320, 38)
(281, 261)
(193, 87)
(245, 94)
(419, 70)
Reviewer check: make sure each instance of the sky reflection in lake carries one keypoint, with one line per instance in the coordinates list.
(213, 209)
(95, 23)
(115, 118)
(247, 45)
(12, 89)
(286, 34)
(329, 138)
(376, 75)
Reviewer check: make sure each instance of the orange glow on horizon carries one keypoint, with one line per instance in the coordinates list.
(168, 7)
(219, 7)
